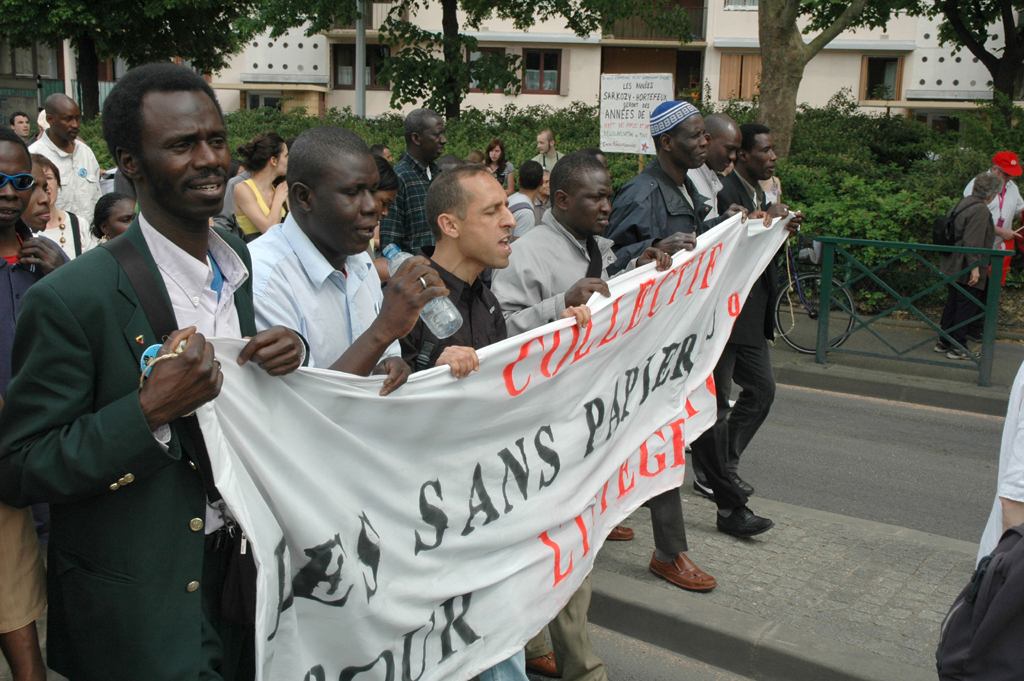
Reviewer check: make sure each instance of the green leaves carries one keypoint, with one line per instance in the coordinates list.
(200, 31)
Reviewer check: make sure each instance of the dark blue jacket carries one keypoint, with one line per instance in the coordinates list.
(649, 208)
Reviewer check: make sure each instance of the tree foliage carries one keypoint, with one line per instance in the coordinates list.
(782, 25)
(200, 31)
(431, 66)
(969, 25)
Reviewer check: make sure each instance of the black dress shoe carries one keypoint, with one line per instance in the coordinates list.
(743, 523)
(739, 482)
(703, 489)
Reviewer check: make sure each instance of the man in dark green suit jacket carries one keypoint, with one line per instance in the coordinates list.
(133, 581)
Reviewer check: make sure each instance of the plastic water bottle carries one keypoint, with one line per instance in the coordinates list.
(440, 314)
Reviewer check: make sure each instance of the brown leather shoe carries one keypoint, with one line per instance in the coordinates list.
(545, 666)
(620, 533)
(683, 573)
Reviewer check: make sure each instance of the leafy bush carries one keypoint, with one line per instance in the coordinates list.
(854, 174)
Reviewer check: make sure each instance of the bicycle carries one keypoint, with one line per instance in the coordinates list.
(796, 321)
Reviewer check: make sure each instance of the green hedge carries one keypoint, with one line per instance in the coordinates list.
(853, 174)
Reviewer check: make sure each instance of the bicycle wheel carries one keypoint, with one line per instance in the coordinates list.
(798, 325)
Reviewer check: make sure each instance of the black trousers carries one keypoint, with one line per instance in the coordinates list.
(961, 307)
(228, 651)
(718, 450)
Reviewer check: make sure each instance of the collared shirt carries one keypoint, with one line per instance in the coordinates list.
(546, 161)
(756, 193)
(79, 177)
(1010, 479)
(544, 265)
(1005, 207)
(188, 283)
(295, 286)
(14, 281)
(707, 183)
(483, 321)
(406, 224)
(195, 303)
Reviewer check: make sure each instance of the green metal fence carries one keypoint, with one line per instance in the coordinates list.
(859, 274)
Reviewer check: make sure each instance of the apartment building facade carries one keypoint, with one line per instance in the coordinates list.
(902, 68)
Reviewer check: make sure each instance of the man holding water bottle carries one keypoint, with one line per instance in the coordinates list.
(313, 271)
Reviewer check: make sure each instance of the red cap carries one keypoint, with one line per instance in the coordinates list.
(1007, 161)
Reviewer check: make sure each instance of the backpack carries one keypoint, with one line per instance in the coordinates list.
(944, 229)
(981, 636)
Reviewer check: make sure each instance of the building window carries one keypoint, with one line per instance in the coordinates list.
(482, 52)
(542, 70)
(740, 76)
(271, 100)
(881, 78)
(345, 66)
(38, 60)
(740, 4)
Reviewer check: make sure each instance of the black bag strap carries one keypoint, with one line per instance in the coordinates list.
(953, 213)
(75, 234)
(161, 319)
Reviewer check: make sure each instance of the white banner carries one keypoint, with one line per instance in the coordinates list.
(627, 100)
(431, 533)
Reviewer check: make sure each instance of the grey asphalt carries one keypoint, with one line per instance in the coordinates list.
(629, 659)
(924, 468)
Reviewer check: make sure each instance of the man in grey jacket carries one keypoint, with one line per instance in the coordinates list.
(556, 266)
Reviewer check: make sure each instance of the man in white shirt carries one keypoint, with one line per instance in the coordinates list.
(724, 140)
(1008, 507)
(523, 202)
(312, 272)
(79, 169)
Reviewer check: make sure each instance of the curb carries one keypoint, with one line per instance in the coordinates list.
(735, 641)
(887, 386)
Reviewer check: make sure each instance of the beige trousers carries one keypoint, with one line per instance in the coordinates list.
(574, 655)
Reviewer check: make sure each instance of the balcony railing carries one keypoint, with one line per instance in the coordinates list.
(378, 13)
(635, 29)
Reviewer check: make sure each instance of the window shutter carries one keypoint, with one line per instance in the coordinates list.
(751, 79)
(729, 78)
(563, 73)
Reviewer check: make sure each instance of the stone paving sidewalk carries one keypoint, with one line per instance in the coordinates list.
(878, 587)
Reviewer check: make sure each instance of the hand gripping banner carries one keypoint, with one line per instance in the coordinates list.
(429, 534)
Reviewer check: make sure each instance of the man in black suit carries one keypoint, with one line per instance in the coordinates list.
(745, 358)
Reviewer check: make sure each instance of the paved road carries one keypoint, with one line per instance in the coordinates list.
(628, 659)
(919, 467)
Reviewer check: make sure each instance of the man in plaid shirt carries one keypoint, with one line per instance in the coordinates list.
(406, 224)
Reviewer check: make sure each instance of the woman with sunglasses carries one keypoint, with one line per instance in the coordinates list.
(64, 228)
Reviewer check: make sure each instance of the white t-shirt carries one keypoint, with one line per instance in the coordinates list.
(526, 218)
(1005, 207)
(1010, 483)
(79, 177)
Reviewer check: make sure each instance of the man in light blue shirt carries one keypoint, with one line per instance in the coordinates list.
(313, 269)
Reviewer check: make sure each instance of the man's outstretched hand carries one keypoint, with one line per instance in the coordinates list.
(278, 351)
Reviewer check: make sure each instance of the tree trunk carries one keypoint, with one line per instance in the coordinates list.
(1004, 80)
(783, 58)
(88, 77)
(452, 57)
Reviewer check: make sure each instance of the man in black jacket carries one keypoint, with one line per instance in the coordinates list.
(662, 207)
(745, 358)
(661, 204)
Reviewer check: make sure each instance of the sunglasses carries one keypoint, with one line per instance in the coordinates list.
(21, 181)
